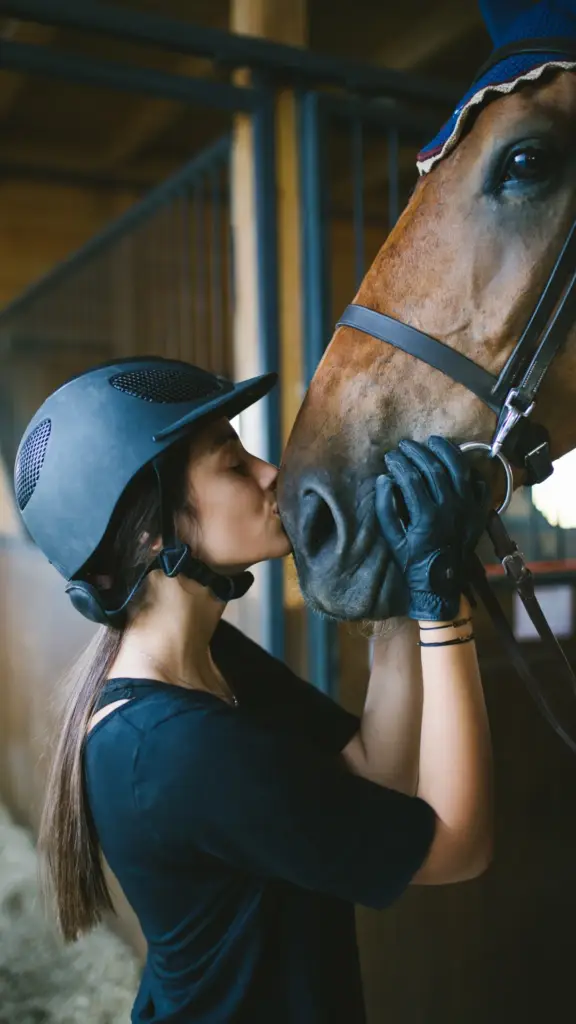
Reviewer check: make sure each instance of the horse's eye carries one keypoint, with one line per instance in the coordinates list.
(528, 164)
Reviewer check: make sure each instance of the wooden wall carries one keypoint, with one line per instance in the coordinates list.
(42, 223)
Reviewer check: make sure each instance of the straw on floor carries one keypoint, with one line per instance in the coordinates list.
(42, 981)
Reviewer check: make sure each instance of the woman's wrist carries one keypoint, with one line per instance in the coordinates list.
(449, 633)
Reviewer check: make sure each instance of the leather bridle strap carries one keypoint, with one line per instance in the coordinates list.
(523, 582)
(422, 346)
(512, 395)
(546, 328)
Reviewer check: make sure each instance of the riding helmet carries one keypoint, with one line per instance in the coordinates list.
(89, 440)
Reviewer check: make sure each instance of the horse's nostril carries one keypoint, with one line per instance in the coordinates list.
(319, 528)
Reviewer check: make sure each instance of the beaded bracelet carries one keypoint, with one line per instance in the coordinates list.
(449, 643)
(448, 625)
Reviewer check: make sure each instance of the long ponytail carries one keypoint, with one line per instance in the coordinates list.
(67, 839)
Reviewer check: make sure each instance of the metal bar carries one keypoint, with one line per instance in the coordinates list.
(560, 544)
(358, 197)
(269, 339)
(41, 60)
(199, 269)
(186, 282)
(130, 220)
(231, 281)
(534, 553)
(322, 634)
(316, 303)
(393, 177)
(380, 114)
(216, 288)
(72, 179)
(234, 50)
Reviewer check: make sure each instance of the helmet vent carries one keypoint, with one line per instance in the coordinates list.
(166, 385)
(30, 462)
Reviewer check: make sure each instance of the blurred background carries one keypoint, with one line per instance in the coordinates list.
(170, 186)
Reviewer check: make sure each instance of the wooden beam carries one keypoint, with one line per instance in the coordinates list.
(445, 23)
(29, 156)
(12, 82)
(282, 21)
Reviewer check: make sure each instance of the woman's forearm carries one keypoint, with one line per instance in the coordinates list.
(455, 759)
(387, 748)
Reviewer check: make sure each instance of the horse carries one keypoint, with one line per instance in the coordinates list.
(465, 264)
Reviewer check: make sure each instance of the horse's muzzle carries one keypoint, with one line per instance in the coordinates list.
(343, 561)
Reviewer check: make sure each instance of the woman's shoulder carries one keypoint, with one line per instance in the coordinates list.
(150, 705)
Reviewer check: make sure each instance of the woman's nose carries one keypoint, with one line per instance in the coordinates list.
(268, 475)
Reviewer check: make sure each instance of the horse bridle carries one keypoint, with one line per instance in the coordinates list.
(511, 396)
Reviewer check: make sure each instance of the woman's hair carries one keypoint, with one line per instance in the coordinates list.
(72, 858)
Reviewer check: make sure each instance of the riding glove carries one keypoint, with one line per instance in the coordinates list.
(447, 505)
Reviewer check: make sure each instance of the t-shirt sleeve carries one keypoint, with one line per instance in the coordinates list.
(278, 695)
(214, 782)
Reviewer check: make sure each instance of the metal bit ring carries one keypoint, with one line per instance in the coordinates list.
(481, 446)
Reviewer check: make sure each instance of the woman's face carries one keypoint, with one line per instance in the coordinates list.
(234, 499)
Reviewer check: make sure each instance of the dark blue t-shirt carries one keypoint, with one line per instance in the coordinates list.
(242, 842)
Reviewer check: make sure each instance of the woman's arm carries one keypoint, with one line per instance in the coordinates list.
(446, 509)
(455, 758)
(386, 749)
(425, 731)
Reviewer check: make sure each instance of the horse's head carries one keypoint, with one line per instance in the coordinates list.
(465, 263)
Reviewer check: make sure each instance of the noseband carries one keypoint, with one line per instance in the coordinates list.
(512, 397)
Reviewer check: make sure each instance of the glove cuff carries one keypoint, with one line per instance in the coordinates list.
(424, 605)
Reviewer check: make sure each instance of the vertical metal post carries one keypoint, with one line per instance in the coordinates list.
(216, 289)
(269, 337)
(393, 177)
(560, 544)
(230, 262)
(185, 291)
(358, 196)
(199, 269)
(322, 634)
(535, 552)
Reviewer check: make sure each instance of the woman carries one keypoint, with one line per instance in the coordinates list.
(243, 812)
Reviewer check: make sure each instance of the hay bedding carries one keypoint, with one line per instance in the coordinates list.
(41, 980)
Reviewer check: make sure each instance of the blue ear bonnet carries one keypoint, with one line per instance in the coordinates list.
(509, 21)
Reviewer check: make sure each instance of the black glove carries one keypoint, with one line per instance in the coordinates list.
(447, 503)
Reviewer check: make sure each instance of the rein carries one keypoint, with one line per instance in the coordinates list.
(517, 438)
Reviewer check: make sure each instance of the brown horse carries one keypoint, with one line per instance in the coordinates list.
(465, 263)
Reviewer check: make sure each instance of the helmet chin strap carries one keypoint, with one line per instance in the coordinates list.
(176, 559)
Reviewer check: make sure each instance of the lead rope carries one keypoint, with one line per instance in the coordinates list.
(518, 572)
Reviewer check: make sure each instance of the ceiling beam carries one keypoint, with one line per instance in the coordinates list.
(12, 82)
(230, 49)
(30, 158)
(445, 24)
